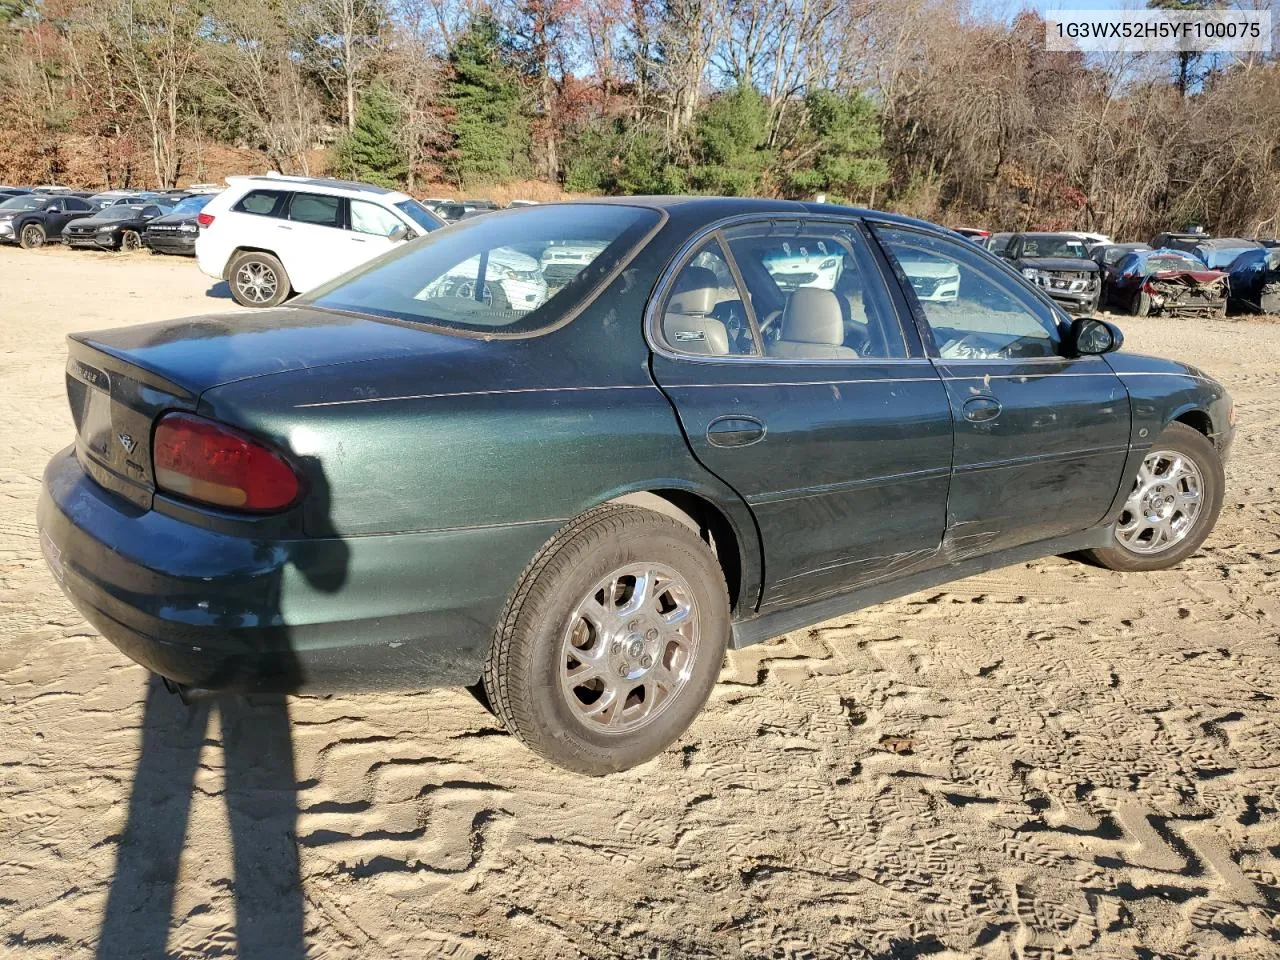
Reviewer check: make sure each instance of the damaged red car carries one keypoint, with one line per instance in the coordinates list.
(1167, 283)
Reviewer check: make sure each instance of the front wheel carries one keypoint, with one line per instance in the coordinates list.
(1140, 305)
(32, 237)
(1172, 506)
(258, 280)
(611, 641)
(130, 240)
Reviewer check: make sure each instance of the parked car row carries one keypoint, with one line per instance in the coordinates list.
(1177, 274)
(113, 220)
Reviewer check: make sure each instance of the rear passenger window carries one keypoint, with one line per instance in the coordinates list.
(816, 292)
(704, 314)
(316, 208)
(265, 203)
(76, 206)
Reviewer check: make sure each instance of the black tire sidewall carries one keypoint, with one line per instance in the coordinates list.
(22, 236)
(1190, 443)
(563, 582)
(125, 240)
(282, 279)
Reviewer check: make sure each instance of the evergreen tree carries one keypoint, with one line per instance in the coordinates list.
(490, 128)
(373, 152)
(730, 135)
(843, 136)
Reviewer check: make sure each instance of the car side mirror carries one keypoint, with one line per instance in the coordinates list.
(398, 233)
(1091, 337)
(51, 208)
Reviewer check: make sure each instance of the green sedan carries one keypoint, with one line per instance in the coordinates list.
(575, 453)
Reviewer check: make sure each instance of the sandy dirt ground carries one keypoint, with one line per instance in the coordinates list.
(1094, 766)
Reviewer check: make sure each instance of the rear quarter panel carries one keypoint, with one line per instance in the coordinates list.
(486, 435)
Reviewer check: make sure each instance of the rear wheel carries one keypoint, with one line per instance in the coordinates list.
(32, 237)
(1172, 506)
(258, 280)
(611, 641)
(130, 240)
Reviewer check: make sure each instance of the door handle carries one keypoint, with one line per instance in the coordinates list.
(735, 431)
(283, 226)
(358, 239)
(981, 409)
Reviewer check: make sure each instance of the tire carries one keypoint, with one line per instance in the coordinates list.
(269, 289)
(1140, 306)
(32, 237)
(1143, 553)
(130, 240)
(548, 638)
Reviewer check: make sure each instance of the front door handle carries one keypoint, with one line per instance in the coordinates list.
(735, 431)
(981, 409)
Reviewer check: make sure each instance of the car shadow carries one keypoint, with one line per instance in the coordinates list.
(260, 786)
(219, 291)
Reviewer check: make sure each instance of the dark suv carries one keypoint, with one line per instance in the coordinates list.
(34, 219)
(1059, 264)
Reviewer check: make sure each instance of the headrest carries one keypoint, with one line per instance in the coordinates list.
(813, 315)
(697, 291)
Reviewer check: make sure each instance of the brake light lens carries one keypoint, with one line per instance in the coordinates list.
(204, 219)
(206, 461)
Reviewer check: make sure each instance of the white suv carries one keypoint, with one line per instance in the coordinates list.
(272, 235)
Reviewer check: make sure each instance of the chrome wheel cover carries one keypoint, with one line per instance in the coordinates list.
(629, 648)
(1163, 506)
(256, 281)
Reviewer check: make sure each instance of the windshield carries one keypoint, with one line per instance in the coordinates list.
(419, 215)
(121, 211)
(191, 204)
(511, 272)
(1171, 261)
(24, 203)
(1068, 247)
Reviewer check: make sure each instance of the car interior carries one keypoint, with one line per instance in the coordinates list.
(704, 313)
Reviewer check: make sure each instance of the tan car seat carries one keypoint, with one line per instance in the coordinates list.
(812, 328)
(687, 324)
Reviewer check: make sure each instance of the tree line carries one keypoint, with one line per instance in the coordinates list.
(920, 106)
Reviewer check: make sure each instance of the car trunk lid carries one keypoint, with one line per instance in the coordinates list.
(120, 381)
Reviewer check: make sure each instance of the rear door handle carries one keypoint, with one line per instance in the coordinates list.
(283, 226)
(735, 431)
(981, 409)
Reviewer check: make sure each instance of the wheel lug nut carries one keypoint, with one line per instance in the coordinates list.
(633, 625)
(624, 669)
(651, 634)
(647, 662)
(617, 647)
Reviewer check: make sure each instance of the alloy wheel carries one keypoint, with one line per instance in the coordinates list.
(32, 236)
(130, 240)
(629, 648)
(1164, 504)
(256, 281)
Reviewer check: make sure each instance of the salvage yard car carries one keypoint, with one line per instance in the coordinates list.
(1168, 283)
(584, 505)
(1059, 264)
(1255, 280)
(115, 227)
(34, 219)
(176, 231)
(273, 236)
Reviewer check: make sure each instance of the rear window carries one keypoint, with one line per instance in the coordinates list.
(317, 208)
(265, 203)
(508, 273)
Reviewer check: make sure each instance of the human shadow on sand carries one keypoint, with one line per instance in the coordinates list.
(253, 733)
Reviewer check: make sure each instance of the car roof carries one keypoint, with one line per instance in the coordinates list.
(1045, 234)
(1229, 242)
(344, 187)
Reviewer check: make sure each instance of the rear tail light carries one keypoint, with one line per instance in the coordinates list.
(204, 219)
(204, 460)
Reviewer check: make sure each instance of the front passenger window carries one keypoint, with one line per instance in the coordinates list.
(704, 313)
(370, 218)
(974, 312)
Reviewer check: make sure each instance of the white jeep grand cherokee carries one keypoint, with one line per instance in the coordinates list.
(273, 235)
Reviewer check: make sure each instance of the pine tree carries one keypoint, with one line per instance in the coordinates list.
(373, 151)
(490, 128)
(843, 137)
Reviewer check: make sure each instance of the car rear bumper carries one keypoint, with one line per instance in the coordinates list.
(223, 612)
